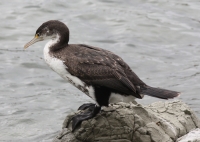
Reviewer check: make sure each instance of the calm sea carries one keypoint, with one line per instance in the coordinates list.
(160, 40)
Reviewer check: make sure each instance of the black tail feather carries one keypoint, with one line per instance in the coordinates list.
(159, 93)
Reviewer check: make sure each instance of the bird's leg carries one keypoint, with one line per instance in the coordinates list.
(89, 113)
(85, 106)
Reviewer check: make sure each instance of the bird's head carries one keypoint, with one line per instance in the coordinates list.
(50, 30)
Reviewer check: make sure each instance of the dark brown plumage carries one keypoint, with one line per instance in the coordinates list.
(101, 68)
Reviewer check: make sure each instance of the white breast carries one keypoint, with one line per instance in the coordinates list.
(59, 67)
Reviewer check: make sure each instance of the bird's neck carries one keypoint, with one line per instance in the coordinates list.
(57, 43)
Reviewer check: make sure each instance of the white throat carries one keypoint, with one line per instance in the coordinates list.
(52, 41)
(54, 63)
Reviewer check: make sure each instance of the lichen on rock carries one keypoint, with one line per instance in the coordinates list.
(128, 122)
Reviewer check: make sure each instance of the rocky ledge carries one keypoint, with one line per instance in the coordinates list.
(128, 122)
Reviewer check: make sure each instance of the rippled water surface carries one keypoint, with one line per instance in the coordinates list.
(160, 40)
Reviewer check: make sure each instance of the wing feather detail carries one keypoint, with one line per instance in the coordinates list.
(100, 67)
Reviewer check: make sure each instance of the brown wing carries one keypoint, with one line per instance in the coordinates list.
(130, 74)
(98, 67)
(127, 70)
(105, 76)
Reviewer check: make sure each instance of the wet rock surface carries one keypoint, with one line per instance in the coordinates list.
(128, 122)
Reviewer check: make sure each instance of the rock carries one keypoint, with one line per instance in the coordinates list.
(128, 122)
(192, 136)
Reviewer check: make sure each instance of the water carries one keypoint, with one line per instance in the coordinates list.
(158, 39)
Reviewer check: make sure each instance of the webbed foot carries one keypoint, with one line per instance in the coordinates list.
(85, 106)
(91, 112)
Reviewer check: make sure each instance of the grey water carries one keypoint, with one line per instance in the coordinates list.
(160, 40)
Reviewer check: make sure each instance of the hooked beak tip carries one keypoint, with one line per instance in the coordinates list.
(25, 46)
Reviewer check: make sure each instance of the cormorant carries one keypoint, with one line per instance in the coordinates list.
(99, 73)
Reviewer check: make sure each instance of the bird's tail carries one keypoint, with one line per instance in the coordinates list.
(159, 93)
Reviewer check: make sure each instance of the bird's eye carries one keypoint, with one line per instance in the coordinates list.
(37, 35)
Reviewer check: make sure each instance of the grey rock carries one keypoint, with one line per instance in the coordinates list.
(192, 136)
(128, 122)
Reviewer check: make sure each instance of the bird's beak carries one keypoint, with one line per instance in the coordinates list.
(34, 40)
